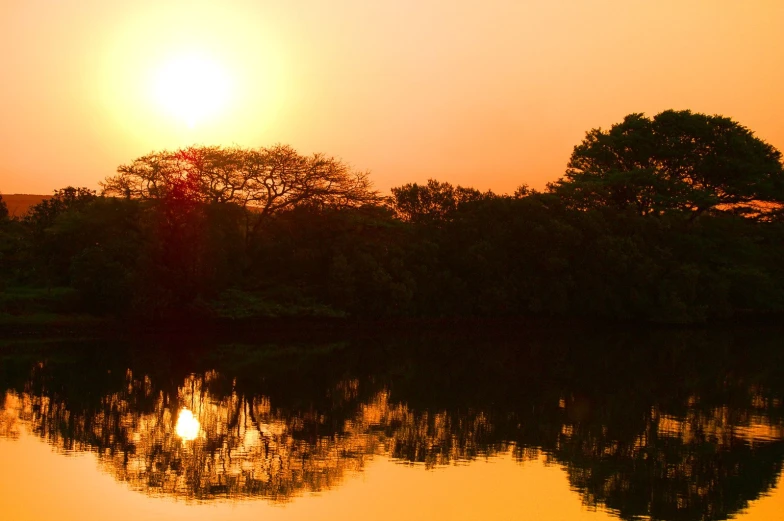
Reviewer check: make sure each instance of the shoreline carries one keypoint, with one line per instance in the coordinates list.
(70, 326)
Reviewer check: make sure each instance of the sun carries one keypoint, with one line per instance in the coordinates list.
(191, 88)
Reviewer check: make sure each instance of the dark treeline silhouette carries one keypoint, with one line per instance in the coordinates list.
(668, 425)
(675, 218)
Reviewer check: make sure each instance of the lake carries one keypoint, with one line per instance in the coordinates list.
(473, 423)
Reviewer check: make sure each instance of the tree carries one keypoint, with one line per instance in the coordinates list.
(8, 243)
(266, 181)
(432, 202)
(677, 161)
(51, 235)
(43, 214)
(3, 209)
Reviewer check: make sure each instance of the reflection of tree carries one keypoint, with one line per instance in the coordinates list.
(245, 447)
(693, 431)
(703, 466)
(9, 424)
(432, 438)
(667, 434)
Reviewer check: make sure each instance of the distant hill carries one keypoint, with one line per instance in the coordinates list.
(19, 203)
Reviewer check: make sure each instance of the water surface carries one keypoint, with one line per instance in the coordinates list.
(680, 425)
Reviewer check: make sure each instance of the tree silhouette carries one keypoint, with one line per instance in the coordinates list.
(43, 215)
(3, 209)
(433, 202)
(264, 180)
(676, 161)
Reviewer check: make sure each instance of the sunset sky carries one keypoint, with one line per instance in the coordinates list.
(487, 94)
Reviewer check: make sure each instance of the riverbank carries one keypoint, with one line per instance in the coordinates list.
(326, 328)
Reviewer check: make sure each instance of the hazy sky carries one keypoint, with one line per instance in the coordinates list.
(490, 94)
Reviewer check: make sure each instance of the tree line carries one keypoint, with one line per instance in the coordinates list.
(672, 218)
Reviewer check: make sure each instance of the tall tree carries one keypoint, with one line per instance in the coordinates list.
(678, 160)
(263, 180)
(203, 201)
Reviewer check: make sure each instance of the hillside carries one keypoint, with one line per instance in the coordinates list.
(19, 203)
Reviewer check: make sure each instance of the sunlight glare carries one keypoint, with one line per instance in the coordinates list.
(192, 88)
(187, 426)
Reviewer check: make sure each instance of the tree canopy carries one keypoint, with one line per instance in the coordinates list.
(432, 202)
(44, 214)
(267, 180)
(675, 161)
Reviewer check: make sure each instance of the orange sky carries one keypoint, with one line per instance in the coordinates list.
(488, 94)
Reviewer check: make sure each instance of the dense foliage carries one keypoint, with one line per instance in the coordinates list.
(677, 161)
(673, 219)
(3, 209)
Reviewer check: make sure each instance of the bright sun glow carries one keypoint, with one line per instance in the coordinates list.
(192, 88)
(187, 426)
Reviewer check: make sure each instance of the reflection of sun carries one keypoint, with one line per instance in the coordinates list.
(191, 88)
(187, 426)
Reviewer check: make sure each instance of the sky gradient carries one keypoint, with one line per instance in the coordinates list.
(488, 94)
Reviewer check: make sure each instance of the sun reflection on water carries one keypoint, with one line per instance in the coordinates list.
(187, 426)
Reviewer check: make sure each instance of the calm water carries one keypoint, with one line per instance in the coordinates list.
(672, 425)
